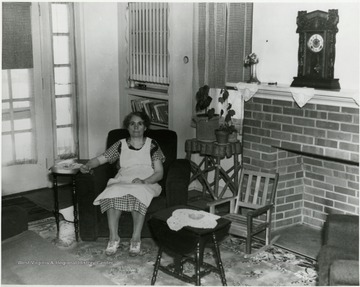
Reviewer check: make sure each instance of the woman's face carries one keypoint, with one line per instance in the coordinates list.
(136, 127)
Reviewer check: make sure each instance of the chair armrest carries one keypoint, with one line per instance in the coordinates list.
(344, 273)
(92, 184)
(217, 202)
(259, 211)
(342, 231)
(88, 187)
(177, 182)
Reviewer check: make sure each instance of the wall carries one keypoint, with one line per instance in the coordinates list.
(315, 149)
(99, 73)
(181, 73)
(276, 42)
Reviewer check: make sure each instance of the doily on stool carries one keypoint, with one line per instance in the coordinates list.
(192, 218)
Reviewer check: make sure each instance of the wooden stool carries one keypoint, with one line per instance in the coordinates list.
(183, 243)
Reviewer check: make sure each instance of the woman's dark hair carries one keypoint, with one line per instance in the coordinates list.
(141, 115)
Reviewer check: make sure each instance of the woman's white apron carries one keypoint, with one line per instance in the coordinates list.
(134, 164)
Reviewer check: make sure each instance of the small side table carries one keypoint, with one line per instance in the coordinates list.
(213, 153)
(68, 172)
(183, 243)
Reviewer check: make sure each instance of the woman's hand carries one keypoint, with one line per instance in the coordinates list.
(93, 163)
(138, 180)
(155, 177)
(85, 169)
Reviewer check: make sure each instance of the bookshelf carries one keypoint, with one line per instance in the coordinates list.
(154, 102)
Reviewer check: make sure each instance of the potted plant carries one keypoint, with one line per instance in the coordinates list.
(226, 131)
(206, 121)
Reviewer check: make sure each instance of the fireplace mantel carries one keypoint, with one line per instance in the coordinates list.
(343, 98)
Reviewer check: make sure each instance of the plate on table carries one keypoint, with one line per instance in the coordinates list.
(196, 216)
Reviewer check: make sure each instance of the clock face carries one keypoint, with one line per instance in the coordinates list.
(316, 43)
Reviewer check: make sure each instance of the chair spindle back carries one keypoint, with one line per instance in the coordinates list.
(256, 189)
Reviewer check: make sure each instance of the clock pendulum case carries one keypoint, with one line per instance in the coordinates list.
(316, 56)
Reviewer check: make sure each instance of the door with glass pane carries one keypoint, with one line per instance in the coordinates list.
(38, 96)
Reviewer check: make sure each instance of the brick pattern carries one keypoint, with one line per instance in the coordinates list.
(315, 150)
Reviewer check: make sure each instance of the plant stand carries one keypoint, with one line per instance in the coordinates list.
(212, 154)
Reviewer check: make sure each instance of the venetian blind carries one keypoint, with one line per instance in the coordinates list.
(148, 42)
(16, 36)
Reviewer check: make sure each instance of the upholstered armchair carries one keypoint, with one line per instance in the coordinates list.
(93, 223)
(338, 260)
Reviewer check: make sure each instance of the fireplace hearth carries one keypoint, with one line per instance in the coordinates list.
(315, 149)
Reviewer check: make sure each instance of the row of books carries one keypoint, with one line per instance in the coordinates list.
(158, 111)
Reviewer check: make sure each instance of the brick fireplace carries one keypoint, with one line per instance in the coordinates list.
(315, 149)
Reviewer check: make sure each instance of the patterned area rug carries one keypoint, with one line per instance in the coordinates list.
(272, 267)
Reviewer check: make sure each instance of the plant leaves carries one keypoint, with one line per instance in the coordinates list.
(203, 99)
(227, 117)
(231, 113)
(225, 94)
(211, 113)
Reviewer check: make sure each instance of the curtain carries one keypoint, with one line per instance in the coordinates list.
(223, 38)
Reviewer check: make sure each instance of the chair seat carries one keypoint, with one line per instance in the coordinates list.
(239, 224)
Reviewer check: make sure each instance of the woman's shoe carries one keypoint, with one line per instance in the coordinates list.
(112, 247)
(134, 247)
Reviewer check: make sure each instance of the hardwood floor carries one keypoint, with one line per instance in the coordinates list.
(300, 238)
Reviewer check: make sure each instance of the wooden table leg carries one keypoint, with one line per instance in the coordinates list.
(218, 260)
(202, 177)
(197, 264)
(205, 176)
(156, 267)
(236, 172)
(74, 197)
(56, 202)
(216, 177)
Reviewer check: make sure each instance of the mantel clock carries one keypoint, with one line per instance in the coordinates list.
(316, 56)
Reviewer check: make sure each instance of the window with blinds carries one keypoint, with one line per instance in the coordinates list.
(18, 107)
(148, 42)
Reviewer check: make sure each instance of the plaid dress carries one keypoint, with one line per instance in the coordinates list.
(120, 192)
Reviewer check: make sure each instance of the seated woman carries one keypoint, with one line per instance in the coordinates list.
(132, 189)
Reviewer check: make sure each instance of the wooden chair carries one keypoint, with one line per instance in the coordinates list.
(251, 208)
